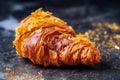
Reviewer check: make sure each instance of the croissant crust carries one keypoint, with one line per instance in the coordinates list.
(49, 41)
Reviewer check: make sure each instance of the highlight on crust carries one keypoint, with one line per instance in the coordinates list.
(47, 40)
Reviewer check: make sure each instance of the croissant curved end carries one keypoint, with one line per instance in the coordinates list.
(49, 41)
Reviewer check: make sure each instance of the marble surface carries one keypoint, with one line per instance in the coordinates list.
(84, 19)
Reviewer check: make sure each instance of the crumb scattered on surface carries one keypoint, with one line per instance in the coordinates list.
(14, 75)
(113, 26)
(117, 47)
(105, 35)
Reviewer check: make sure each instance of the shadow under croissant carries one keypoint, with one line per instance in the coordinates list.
(100, 66)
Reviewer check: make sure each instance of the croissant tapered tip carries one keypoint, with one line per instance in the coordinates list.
(90, 55)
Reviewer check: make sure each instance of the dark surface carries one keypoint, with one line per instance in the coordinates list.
(88, 19)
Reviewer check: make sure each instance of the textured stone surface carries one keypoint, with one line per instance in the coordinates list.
(91, 20)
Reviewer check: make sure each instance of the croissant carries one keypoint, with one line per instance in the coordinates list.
(47, 40)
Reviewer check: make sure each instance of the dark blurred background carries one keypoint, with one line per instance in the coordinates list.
(75, 12)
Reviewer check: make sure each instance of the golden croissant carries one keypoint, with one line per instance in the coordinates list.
(47, 40)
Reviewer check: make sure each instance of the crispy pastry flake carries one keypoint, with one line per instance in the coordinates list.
(49, 41)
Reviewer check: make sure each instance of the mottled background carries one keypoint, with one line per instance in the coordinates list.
(98, 19)
(72, 11)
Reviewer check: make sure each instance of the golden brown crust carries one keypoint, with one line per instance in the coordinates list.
(47, 40)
